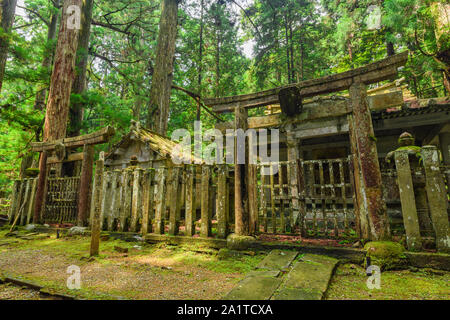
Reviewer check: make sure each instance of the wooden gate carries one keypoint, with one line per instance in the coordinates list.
(61, 201)
(325, 198)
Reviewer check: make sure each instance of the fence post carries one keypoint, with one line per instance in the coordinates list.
(174, 203)
(252, 198)
(147, 198)
(160, 202)
(365, 148)
(95, 229)
(13, 203)
(135, 201)
(408, 201)
(437, 197)
(85, 184)
(190, 202)
(205, 230)
(32, 200)
(221, 203)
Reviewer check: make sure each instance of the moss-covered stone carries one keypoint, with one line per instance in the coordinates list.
(235, 242)
(385, 254)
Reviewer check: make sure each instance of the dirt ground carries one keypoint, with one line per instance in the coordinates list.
(155, 272)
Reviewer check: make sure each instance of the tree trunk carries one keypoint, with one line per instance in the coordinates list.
(158, 110)
(39, 103)
(79, 84)
(63, 75)
(8, 10)
(200, 59)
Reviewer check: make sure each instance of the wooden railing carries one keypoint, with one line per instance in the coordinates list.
(189, 200)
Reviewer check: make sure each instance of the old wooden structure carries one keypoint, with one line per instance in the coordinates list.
(57, 196)
(331, 178)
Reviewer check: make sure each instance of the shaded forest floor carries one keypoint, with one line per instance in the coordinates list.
(144, 272)
(349, 283)
(176, 272)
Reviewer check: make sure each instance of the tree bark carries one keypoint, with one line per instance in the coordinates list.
(8, 10)
(158, 109)
(79, 84)
(63, 75)
(200, 59)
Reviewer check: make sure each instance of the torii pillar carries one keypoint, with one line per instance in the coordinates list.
(367, 167)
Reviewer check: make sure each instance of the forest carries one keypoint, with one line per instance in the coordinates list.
(154, 61)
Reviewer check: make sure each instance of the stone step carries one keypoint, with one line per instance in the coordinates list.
(254, 288)
(278, 260)
(308, 279)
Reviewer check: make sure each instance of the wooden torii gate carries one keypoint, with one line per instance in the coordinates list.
(363, 143)
(58, 152)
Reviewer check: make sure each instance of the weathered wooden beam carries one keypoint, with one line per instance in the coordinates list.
(95, 228)
(408, 201)
(85, 185)
(40, 192)
(221, 203)
(437, 197)
(323, 108)
(205, 228)
(97, 137)
(371, 73)
(366, 149)
(241, 203)
(70, 158)
(190, 207)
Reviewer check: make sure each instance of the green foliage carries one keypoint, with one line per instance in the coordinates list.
(293, 41)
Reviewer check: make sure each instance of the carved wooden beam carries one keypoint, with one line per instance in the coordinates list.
(371, 73)
(97, 137)
(323, 108)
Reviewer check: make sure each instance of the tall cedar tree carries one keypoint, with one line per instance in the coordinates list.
(158, 111)
(8, 10)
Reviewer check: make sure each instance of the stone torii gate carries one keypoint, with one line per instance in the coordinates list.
(367, 174)
(57, 153)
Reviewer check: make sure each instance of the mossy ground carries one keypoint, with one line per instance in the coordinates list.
(349, 283)
(145, 272)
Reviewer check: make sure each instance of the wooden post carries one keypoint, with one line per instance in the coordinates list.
(409, 211)
(190, 201)
(298, 209)
(32, 201)
(272, 199)
(371, 188)
(241, 200)
(221, 206)
(437, 197)
(25, 201)
(252, 198)
(111, 208)
(174, 207)
(205, 230)
(85, 185)
(95, 228)
(160, 201)
(13, 203)
(360, 206)
(147, 200)
(40, 192)
(126, 199)
(135, 201)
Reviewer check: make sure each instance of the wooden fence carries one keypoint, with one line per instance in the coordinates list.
(22, 203)
(164, 200)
